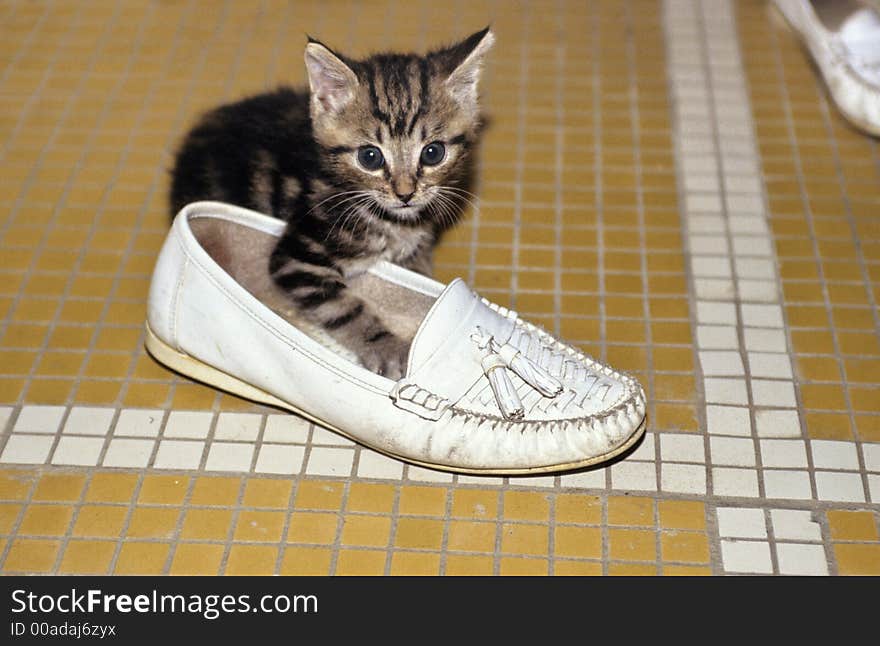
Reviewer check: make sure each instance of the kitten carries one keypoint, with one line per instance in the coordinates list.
(374, 162)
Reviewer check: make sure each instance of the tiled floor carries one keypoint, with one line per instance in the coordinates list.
(664, 183)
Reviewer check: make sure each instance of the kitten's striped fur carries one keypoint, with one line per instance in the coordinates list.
(295, 155)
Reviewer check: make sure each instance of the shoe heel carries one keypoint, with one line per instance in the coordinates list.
(195, 369)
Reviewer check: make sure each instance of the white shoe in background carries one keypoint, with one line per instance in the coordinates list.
(843, 38)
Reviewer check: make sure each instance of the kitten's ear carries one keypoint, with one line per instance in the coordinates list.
(463, 63)
(332, 82)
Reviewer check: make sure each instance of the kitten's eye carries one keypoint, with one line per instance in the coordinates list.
(433, 154)
(370, 157)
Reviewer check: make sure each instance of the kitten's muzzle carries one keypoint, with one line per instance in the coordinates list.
(405, 197)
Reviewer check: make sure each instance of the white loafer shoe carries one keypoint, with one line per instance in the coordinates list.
(484, 391)
(843, 38)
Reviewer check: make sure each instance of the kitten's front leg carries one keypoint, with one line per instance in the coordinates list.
(321, 294)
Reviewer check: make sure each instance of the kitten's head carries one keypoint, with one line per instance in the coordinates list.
(399, 127)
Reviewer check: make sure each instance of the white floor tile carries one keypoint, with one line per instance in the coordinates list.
(736, 522)
(773, 365)
(784, 484)
(721, 364)
(26, 449)
(767, 392)
(640, 476)
(752, 557)
(683, 478)
(326, 461)
(728, 420)
(134, 422)
(832, 454)
(179, 454)
(89, 421)
(79, 451)
(375, 465)
(764, 340)
(871, 455)
(801, 559)
(124, 452)
(39, 419)
(227, 456)
(777, 423)
(420, 474)
(795, 525)
(238, 426)
(595, 479)
(723, 390)
(282, 459)
(761, 316)
(784, 453)
(729, 481)
(732, 451)
(838, 486)
(188, 424)
(324, 437)
(286, 429)
(720, 337)
(682, 447)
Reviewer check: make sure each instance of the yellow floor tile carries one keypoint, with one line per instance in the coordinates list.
(261, 526)
(196, 559)
(366, 530)
(857, 559)
(15, 484)
(102, 521)
(111, 487)
(468, 565)
(686, 547)
(414, 564)
(419, 533)
(577, 568)
(526, 505)
(515, 566)
(632, 545)
(422, 501)
(163, 489)
(475, 503)
(142, 558)
(87, 557)
(9, 513)
(153, 522)
(45, 520)
(852, 525)
(215, 490)
(319, 494)
(251, 560)
(370, 497)
(517, 538)
(682, 514)
(360, 563)
(206, 524)
(631, 511)
(306, 561)
(32, 556)
(263, 492)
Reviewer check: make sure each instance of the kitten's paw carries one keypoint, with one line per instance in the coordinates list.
(386, 356)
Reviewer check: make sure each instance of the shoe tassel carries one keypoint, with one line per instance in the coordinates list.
(497, 359)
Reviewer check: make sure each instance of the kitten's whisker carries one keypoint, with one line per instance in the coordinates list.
(327, 199)
(339, 219)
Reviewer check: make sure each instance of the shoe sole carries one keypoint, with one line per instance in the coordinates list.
(782, 20)
(202, 372)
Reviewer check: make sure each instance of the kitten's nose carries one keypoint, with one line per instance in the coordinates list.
(405, 197)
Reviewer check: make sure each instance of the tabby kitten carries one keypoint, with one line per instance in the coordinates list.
(373, 163)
